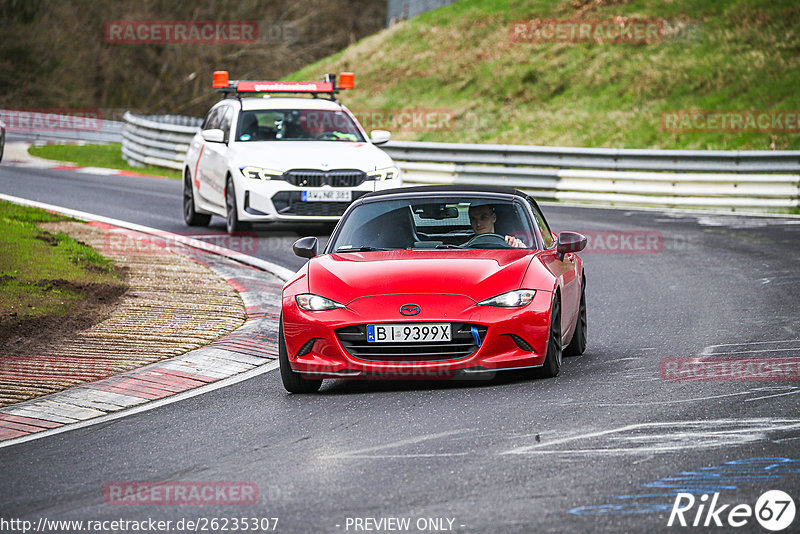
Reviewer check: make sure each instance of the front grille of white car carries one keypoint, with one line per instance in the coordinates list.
(292, 203)
(318, 178)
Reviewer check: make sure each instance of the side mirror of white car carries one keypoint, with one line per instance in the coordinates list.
(378, 137)
(214, 135)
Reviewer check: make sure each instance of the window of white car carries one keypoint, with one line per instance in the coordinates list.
(297, 125)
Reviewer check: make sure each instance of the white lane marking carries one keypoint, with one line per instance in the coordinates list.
(146, 407)
(709, 350)
(281, 272)
(679, 401)
(98, 170)
(776, 395)
(648, 438)
(790, 349)
(785, 439)
(363, 453)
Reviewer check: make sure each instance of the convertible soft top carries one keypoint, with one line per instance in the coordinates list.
(448, 189)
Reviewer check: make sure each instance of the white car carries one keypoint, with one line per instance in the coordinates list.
(264, 159)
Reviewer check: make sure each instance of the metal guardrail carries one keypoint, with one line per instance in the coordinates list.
(159, 140)
(32, 125)
(681, 178)
(618, 159)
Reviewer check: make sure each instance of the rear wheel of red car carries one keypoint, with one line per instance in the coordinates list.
(577, 346)
(293, 382)
(552, 362)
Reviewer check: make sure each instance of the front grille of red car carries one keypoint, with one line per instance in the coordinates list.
(463, 343)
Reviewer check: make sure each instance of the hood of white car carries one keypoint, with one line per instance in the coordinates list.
(325, 155)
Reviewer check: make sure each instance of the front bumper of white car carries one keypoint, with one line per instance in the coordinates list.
(305, 194)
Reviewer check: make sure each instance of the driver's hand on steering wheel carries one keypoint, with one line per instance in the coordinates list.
(513, 242)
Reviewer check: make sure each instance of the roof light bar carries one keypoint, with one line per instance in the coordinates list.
(327, 87)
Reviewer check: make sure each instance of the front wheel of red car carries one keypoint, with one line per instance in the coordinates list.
(577, 346)
(552, 362)
(293, 382)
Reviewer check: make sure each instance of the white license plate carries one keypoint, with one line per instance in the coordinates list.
(327, 195)
(408, 332)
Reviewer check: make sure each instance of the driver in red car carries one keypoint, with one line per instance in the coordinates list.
(482, 219)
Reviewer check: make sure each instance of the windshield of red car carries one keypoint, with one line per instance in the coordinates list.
(434, 223)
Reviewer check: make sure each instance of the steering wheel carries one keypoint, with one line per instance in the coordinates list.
(486, 239)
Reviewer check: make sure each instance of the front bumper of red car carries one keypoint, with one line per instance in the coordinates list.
(332, 343)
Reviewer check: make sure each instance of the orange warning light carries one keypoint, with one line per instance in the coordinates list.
(347, 80)
(220, 79)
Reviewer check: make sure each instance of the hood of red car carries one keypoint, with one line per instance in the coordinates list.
(477, 274)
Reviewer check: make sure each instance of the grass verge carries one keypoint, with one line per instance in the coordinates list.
(46, 274)
(106, 156)
(459, 64)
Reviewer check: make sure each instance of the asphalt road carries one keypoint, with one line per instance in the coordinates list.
(604, 447)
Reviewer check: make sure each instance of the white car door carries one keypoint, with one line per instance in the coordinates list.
(214, 160)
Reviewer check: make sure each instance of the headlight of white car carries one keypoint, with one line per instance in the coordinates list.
(258, 173)
(383, 174)
(311, 302)
(512, 299)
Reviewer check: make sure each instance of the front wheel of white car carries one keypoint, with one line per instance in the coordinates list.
(232, 222)
(190, 216)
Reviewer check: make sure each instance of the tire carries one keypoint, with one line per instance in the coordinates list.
(232, 222)
(552, 362)
(190, 216)
(293, 382)
(577, 345)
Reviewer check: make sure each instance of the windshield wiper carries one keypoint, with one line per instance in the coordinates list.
(449, 246)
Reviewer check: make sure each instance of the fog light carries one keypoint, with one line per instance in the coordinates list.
(305, 349)
(521, 343)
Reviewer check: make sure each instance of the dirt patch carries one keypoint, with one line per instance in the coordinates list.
(30, 336)
(50, 239)
(172, 305)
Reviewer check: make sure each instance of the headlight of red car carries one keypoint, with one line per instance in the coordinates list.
(511, 299)
(311, 302)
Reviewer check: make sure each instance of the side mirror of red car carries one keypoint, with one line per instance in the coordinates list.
(305, 247)
(570, 242)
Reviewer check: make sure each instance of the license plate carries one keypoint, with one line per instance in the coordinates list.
(327, 195)
(408, 332)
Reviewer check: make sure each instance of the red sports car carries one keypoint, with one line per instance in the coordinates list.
(434, 282)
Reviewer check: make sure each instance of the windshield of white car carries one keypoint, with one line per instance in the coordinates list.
(434, 224)
(297, 125)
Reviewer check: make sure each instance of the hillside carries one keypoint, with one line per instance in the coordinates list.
(59, 55)
(459, 69)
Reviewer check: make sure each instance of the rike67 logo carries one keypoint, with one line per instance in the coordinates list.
(774, 510)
